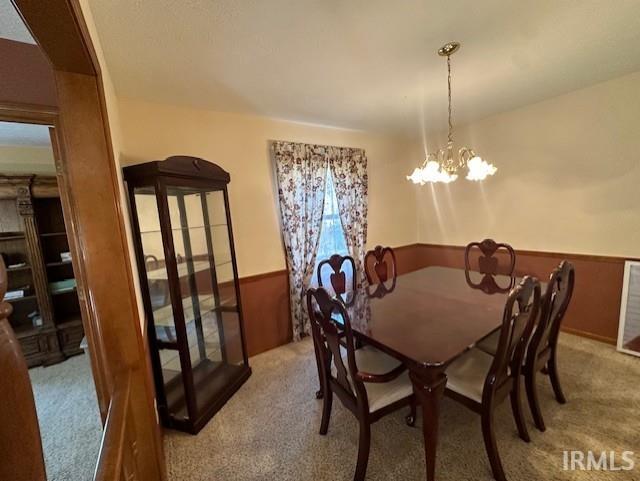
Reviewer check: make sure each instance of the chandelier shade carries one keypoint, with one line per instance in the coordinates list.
(443, 165)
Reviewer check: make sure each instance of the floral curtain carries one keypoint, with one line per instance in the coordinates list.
(349, 170)
(301, 171)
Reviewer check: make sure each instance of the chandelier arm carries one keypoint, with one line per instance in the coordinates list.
(465, 154)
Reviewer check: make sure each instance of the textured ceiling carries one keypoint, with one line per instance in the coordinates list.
(367, 64)
(11, 25)
(12, 133)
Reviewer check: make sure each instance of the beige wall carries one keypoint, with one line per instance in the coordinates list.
(240, 144)
(568, 176)
(22, 159)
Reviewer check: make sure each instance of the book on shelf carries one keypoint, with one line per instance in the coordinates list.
(17, 265)
(15, 294)
(65, 285)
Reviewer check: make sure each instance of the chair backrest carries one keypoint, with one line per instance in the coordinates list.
(520, 312)
(487, 260)
(20, 445)
(331, 330)
(554, 306)
(489, 285)
(380, 265)
(338, 277)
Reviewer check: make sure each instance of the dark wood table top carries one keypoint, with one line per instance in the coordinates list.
(432, 316)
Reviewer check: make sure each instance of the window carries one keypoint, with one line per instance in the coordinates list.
(332, 238)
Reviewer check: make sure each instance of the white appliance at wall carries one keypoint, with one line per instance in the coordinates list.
(629, 330)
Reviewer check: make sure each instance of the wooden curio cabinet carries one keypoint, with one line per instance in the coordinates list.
(189, 280)
(42, 290)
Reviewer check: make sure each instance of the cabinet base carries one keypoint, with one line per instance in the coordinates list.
(182, 422)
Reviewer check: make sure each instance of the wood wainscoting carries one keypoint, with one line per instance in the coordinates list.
(595, 307)
(265, 303)
(265, 310)
(593, 313)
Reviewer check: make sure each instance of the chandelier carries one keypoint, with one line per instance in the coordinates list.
(443, 166)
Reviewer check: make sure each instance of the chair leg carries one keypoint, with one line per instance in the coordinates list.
(552, 366)
(490, 444)
(320, 391)
(532, 397)
(326, 411)
(516, 407)
(363, 450)
(410, 419)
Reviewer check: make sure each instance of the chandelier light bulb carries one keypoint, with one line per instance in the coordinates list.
(431, 172)
(447, 178)
(416, 176)
(479, 169)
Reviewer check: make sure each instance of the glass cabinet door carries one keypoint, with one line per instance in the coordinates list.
(157, 280)
(207, 286)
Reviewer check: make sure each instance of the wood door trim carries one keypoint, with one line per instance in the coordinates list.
(33, 114)
(87, 159)
(63, 36)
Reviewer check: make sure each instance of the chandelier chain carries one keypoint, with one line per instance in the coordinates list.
(450, 136)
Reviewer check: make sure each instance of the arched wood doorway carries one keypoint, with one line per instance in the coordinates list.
(86, 170)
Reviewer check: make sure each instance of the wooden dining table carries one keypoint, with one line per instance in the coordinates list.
(428, 319)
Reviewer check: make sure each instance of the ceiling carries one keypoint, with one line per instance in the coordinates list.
(31, 135)
(11, 25)
(366, 64)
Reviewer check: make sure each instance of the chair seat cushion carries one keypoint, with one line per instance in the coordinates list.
(373, 361)
(490, 343)
(466, 375)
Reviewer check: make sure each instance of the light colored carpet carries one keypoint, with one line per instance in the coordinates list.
(69, 418)
(269, 429)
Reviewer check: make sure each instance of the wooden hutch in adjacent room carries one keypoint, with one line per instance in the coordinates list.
(42, 288)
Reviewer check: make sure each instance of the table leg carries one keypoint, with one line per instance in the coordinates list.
(429, 385)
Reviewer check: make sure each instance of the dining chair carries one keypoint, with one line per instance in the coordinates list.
(338, 281)
(338, 277)
(481, 381)
(380, 266)
(368, 382)
(542, 349)
(488, 257)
